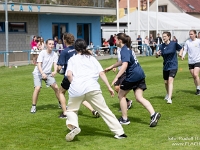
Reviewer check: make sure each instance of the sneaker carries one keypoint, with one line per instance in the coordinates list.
(154, 119)
(124, 122)
(198, 92)
(169, 101)
(70, 136)
(33, 109)
(166, 97)
(95, 113)
(120, 136)
(63, 116)
(129, 104)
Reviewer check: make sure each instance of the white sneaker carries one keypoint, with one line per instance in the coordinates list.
(70, 136)
(169, 101)
(33, 109)
(166, 97)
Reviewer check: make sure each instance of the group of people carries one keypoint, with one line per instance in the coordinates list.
(38, 44)
(150, 44)
(81, 73)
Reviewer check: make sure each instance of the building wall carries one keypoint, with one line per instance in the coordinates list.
(122, 13)
(19, 41)
(170, 6)
(45, 25)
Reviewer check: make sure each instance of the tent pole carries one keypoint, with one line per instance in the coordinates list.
(156, 17)
(148, 18)
(128, 5)
(138, 17)
(117, 16)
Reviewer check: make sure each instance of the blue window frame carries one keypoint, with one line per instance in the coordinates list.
(58, 29)
(2, 27)
(17, 27)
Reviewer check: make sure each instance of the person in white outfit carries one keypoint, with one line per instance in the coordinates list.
(192, 47)
(83, 72)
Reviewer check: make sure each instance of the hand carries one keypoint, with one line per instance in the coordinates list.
(53, 73)
(114, 70)
(112, 93)
(44, 76)
(108, 69)
(115, 80)
(182, 58)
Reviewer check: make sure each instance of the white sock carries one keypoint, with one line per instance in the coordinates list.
(152, 114)
(198, 87)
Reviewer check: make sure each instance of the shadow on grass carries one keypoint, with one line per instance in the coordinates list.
(195, 107)
(186, 91)
(48, 106)
(92, 131)
(157, 97)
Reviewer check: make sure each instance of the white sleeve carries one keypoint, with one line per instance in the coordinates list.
(57, 46)
(55, 59)
(185, 49)
(99, 67)
(40, 57)
(70, 65)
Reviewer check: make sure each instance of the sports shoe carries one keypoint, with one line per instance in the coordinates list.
(154, 119)
(198, 92)
(124, 122)
(70, 136)
(33, 109)
(169, 101)
(120, 136)
(95, 113)
(166, 97)
(129, 104)
(63, 116)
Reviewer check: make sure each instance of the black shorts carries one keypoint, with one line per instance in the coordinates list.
(125, 85)
(192, 66)
(120, 79)
(169, 73)
(65, 83)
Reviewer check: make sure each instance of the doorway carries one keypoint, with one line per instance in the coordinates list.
(83, 32)
(58, 29)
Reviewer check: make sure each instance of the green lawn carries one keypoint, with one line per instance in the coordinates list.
(178, 127)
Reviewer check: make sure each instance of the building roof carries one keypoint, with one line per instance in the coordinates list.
(188, 6)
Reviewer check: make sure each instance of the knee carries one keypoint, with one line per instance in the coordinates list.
(37, 89)
(117, 89)
(195, 76)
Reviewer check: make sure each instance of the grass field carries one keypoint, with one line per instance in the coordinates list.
(178, 127)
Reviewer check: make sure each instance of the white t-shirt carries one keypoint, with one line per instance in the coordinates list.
(193, 49)
(85, 71)
(47, 62)
(119, 56)
(59, 46)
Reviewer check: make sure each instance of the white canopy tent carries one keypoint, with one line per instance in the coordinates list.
(178, 24)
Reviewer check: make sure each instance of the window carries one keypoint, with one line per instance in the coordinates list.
(125, 11)
(17, 27)
(162, 8)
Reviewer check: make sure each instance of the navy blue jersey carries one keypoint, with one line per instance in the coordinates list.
(169, 55)
(65, 55)
(134, 71)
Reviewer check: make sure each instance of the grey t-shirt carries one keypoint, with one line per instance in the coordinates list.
(47, 62)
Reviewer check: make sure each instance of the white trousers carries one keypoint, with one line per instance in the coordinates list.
(96, 99)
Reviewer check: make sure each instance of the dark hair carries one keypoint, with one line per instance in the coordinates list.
(125, 39)
(195, 32)
(168, 34)
(47, 41)
(68, 38)
(80, 46)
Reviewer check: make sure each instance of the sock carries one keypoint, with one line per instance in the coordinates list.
(153, 114)
(198, 87)
(127, 100)
(33, 104)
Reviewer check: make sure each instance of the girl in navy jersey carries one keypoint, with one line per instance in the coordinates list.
(170, 65)
(192, 47)
(135, 80)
